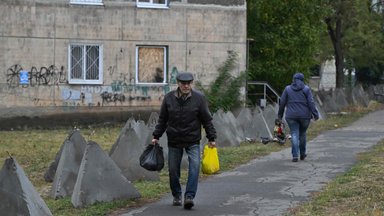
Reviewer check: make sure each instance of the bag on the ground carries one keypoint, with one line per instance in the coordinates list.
(210, 162)
(152, 158)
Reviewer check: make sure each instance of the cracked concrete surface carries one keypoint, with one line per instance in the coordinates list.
(272, 184)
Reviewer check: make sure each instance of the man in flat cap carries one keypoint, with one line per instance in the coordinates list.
(182, 113)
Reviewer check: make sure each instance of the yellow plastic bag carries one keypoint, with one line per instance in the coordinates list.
(210, 163)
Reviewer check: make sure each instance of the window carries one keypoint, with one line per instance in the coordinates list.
(85, 64)
(151, 64)
(152, 3)
(87, 2)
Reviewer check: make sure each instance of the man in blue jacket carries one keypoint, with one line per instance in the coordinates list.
(300, 109)
(182, 113)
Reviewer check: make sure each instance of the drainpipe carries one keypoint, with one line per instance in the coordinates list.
(247, 68)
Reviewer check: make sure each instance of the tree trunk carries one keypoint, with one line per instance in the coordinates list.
(336, 38)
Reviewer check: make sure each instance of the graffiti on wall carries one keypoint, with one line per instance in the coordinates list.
(110, 97)
(51, 75)
(121, 92)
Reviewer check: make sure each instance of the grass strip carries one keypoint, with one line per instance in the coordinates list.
(360, 191)
(35, 149)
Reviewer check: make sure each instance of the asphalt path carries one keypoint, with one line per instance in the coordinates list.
(272, 184)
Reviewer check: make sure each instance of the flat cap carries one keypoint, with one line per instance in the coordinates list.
(184, 76)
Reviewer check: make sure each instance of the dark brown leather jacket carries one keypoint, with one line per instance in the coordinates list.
(182, 119)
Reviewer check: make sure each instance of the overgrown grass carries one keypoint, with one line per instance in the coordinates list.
(360, 191)
(35, 149)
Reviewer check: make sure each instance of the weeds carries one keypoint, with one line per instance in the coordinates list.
(35, 149)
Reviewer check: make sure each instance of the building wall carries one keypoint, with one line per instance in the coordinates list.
(35, 36)
(328, 75)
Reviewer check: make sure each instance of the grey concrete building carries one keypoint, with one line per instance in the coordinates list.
(64, 56)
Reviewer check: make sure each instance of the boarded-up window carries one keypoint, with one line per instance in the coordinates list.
(151, 64)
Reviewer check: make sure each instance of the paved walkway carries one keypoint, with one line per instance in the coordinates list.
(272, 184)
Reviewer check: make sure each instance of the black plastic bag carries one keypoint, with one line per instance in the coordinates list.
(152, 158)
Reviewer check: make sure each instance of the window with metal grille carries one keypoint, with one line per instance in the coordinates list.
(85, 64)
(87, 2)
(152, 3)
(151, 64)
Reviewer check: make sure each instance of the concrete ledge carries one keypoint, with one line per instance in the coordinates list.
(59, 117)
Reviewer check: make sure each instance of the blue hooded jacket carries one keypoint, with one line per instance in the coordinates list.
(298, 100)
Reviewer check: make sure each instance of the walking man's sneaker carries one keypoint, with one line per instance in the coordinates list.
(302, 157)
(295, 160)
(188, 203)
(177, 201)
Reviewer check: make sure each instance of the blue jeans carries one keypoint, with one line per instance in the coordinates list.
(298, 129)
(174, 162)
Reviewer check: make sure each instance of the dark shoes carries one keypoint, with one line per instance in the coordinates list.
(302, 157)
(177, 201)
(188, 203)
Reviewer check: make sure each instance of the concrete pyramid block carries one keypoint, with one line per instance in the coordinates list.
(130, 123)
(376, 93)
(340, 98)
(143, 132)
(126, 154)
(17, 194)
(327, 102)
(270, 114)
(80, 143)
(260, 125)
(244, 117)
(49, 174)
(245, 121)
(152, 120)
(322, 113)
(225, 134)
(100, 179)
(67, 170)
(235, 128)
(359, 96)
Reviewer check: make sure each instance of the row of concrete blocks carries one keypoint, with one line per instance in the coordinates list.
(78, 162)
(83, 171)
(376, 92)
(335, 101)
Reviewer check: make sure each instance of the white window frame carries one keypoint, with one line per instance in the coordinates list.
(87, 2)
(165, 53)
(151, 4)
(100, 65)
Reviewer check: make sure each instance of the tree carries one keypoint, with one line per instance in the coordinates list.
(285, 39)
(335, 27)
(356, 36)
(365, 44)
(290, 36)
(224, 92)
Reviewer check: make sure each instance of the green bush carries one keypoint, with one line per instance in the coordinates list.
(224, 92)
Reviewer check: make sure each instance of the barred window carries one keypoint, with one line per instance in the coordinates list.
(85, 64)
(87, 2)
(152, 3)
(151, 64)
